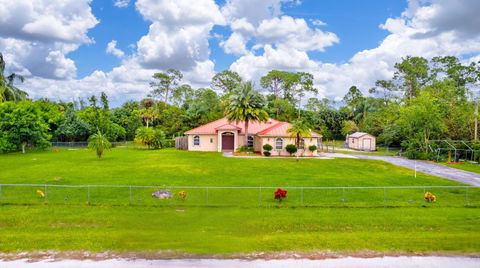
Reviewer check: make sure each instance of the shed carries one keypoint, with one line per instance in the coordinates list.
(361, 141)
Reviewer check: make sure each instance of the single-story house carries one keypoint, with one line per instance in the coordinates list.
(223, 135)
(361, 141)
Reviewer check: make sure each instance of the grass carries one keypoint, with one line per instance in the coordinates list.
(228, 231)
(240, 227)
(465, 166)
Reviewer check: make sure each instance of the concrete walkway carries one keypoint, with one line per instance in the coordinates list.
(429, 168)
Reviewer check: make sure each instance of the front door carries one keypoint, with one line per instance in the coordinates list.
(228, 141)
(366, 144)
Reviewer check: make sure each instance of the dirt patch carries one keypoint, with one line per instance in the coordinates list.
(34, 256)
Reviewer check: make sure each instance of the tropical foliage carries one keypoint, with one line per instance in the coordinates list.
(98, 142)
(425, 99)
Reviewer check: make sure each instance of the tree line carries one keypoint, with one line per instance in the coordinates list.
(424, 100)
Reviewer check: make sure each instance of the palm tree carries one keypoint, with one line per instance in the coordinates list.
(99, 143)
(299, 130)
(245, 104)
(8, 92)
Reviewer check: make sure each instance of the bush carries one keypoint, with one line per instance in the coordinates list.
(291, 148)
(266, 153)
(245, 149)
(312, 148)
(153, 138)
(267, 147)
(430, 198)
(280, 194)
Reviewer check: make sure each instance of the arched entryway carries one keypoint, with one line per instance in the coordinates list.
(228, 141)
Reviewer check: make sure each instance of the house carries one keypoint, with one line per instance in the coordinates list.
(361, 141)
(222, 135)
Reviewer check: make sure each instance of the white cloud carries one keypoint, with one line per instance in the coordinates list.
(317, 22)
(419, 31)
(36, 35)
(294, 33)
(178, 35)
(112, 49)
(121, 3)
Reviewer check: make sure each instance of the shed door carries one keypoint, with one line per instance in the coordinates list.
(367, 144)
(228, 141)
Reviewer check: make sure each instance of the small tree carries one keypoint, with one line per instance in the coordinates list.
(291, 149)
(266, 149)
(152, 138)
(99, 143)
(312, 148)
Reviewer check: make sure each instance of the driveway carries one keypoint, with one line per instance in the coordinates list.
(429, 168)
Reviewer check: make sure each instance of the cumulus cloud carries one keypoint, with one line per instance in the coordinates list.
(178, 35)
(36, 35)
(419, 31)
(112, 49)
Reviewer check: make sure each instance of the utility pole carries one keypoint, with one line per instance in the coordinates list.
(476, 121)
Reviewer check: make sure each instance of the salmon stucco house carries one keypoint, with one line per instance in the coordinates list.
(222, 135)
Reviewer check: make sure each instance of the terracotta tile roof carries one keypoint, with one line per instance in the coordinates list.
(270, 128)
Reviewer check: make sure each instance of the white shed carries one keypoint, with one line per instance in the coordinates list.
(361, 141)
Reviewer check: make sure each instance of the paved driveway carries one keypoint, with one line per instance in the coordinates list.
(429, 168)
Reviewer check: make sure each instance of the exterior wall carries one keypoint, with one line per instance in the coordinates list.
(286, 141)
(357, 143)
(208, 143)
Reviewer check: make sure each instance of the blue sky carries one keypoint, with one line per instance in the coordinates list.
(355, 22)
(71, 49)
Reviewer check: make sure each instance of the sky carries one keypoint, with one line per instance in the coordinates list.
(71, 49)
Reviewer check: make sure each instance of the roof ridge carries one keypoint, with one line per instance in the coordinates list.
(279, 123)
(205, 124)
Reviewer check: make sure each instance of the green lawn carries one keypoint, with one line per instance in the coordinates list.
(236, 230)
(235, 221)
(466, 166)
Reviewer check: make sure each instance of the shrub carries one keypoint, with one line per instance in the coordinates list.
(291, 148)
(430, 198)
(245, 149)
(266, 153)
(280, 194)
(99, 143)
(312, 148)
(267, 147)
(153, 138)
(182, 195)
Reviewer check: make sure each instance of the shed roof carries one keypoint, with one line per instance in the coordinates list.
(358, 135)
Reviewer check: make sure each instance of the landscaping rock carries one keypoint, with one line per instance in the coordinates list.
(162, 194)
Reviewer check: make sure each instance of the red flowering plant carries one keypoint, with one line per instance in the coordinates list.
(280, 194)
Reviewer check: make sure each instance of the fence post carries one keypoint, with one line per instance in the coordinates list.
(424, 191)
(88, 195)
(466, 196)
(130, 193)
(384, 197)
(343, 197)
(46, 193)
(206, 192)
(301, 197)
(0, 193)
(260, 196)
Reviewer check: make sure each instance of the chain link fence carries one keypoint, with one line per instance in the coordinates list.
(389, 196)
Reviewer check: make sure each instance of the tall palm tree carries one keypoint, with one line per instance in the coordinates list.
(8, 92)
(299, 130)
(99, 143)
(245, 104)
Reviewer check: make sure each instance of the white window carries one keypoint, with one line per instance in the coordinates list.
(278, 144)
(250, 142)
(196, 141)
